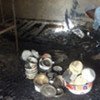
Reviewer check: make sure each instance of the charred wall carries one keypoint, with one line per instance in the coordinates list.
(42, 9)
(47, 9)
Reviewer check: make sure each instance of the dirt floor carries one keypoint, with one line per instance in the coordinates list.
(14, 85)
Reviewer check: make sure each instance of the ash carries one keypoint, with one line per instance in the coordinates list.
(14, 85)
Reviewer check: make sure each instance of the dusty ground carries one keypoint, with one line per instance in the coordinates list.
(14, 85)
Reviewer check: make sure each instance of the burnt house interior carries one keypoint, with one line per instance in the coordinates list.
(59, 29)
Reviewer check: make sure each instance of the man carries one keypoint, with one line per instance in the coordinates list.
(94, 13)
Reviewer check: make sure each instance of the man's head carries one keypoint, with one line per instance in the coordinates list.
(90, 10)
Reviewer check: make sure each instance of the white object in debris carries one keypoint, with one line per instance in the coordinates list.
(45, 64)
(31, 70)
(26, 54)
(80, 80)
(57, 68)
(35, 53)
(37, 88)
(88, 74)
(78, 32)
(76, 67)
(32, 65)
(32, 59)
(30, 76)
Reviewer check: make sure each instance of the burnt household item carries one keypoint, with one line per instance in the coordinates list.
(35, 53)
(60, 92)
(31, 71)
(30, 76)
(57, 69)
(32, 59)
(78, 32)
(79, 89)
(59, 81)
(51, 76)
(45, 64)
(40, 80)
(25, 54)
(76, 67)
(68, 76)
(83, 83)
(79, 81)
(88, 74)
(48, 90)
(32, 65)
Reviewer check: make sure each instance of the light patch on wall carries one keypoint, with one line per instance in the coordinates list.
(65, 27)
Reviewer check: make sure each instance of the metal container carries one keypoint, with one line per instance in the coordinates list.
(26, 54)
(69, 76)
(60, 92)
(45, 64)
(30, 76)
(57, 69)
(40, 80)
(51, 76)
(76, 67)
(30, 67)
(48, 90)
(35, 53)
(83, 83)
(32, 59)
(30, 72)
(59, 81)
(89, 74)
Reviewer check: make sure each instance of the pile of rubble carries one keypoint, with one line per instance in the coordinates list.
(51, 80)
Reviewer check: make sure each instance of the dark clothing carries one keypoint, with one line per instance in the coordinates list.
(96, 34)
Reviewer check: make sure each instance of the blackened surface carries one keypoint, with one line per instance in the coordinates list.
(13, 84)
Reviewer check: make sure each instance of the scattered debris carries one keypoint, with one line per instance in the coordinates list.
(78, 32)
(50, 79)
(79, 80)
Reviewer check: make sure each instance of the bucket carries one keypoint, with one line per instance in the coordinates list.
(80, 89)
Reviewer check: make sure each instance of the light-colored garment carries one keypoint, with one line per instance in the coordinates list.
(96, 23)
